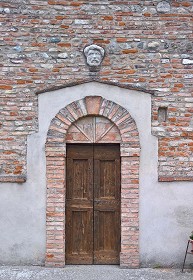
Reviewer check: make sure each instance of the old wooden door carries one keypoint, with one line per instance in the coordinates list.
(93, 204)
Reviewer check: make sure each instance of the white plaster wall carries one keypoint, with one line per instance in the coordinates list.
(165, 208)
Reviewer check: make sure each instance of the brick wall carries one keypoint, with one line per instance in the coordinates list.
(148, 46)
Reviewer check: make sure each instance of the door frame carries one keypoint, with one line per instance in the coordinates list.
(56, 177)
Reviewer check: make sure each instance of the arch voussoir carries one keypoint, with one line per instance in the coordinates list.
(75, 113)
(93, 104)
(67, 116)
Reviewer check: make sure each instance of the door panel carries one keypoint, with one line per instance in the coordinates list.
(79, 235)
(93, 204)
(107, 176)
(106, 238)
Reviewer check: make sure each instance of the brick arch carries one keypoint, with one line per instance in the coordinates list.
(55, 173)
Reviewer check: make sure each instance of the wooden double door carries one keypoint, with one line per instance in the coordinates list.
(93, 204)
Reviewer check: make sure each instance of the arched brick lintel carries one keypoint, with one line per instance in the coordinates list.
(55, 173)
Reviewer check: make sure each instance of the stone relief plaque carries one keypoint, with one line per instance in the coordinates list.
(94, 55)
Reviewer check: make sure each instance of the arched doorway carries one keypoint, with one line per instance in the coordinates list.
(92, 120)
(93, 192)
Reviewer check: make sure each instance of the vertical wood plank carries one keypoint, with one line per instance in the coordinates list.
(79, 205)
(106, 204)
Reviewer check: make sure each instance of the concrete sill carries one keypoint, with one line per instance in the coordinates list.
(13, 179)
(174, 179)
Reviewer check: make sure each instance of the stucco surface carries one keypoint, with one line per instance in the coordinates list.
(165, 208)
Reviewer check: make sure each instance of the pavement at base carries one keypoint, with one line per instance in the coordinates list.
(91, 272)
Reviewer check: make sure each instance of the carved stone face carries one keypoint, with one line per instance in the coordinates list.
(94, 58)
(94, 55)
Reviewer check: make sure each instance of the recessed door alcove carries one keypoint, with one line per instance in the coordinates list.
(92, 120)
